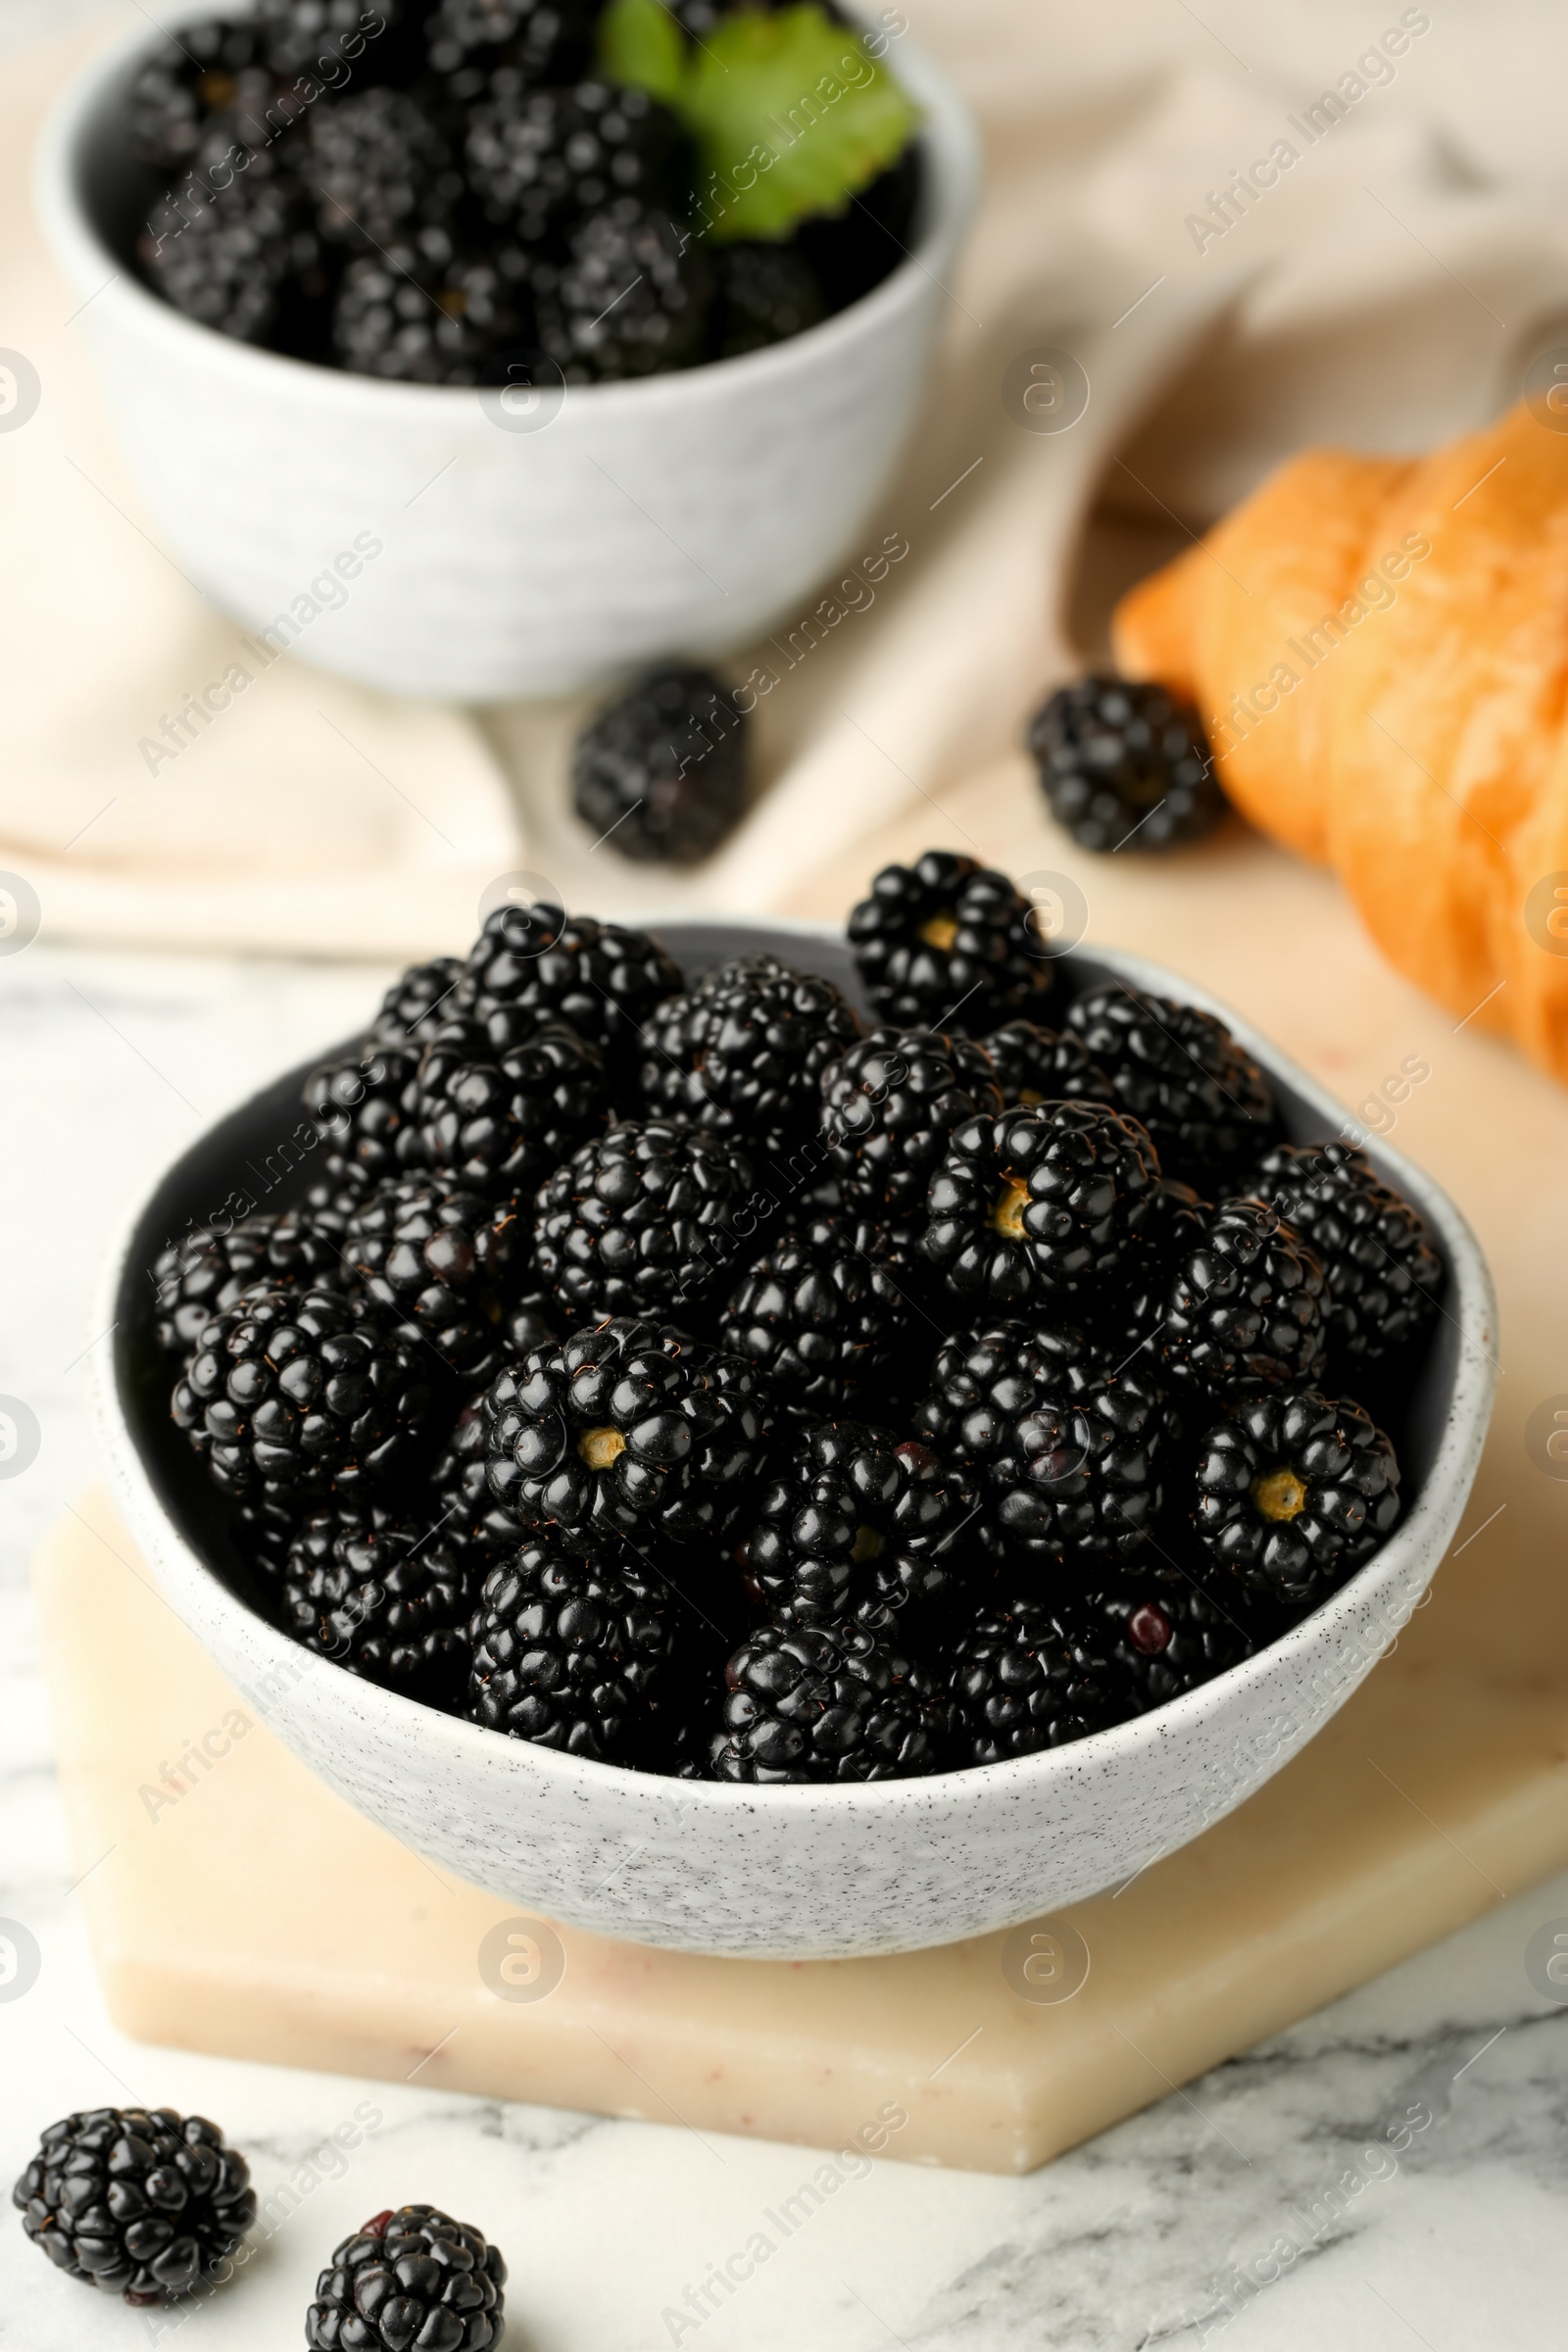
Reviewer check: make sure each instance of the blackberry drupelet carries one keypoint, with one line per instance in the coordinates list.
(417, 1003)
(1295, 1490)
(1038, 1202)
(204, 1272)
(413, 2277)
(422, 313)
(439, 1256)
(602, 980)
(661, 773)
(743, 1053)
(503, 1120)
(631, 297)
(379, 170)
(948, 943)
(889, 1107)
(1026, 1676)
(299, 1392)
(542, 161)
(1044, 1065)
(1126, 765)
(630, 1426)
(541, 41)
(641, 1220)
(812, 1702)
(144, 2204)
(828, 1314)
(388, 1602)
(1384, 1274)
(364, 1111)
(860, 1525)
(1249, 1302)
(764, 295)
(1208, 1105)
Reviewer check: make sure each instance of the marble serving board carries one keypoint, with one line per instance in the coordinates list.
(237, 1906)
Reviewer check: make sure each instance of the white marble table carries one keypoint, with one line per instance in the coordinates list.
(105, 1064)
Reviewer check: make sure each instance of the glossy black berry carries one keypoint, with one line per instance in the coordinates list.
(1044, 1065)
(660, 775)
(143, 2204)
(601, 979)
(410, 2278)
(1126, 766)
(198, 1276)
(176, 95)
(1028, 1676)
(424, 310)
(642, 1221)
(379, 170)
(1208, 1105)
(230, 259)
(365, 1114)
(462, 1505)
(390, 1603)
(949, 944)
(440, 1257)
(1249, 1302)
(541, 160)
(417, 1003)
(1163, 1632)
(501, 1119)
(1295, 1490)
(1384, 1275)
(1130, 1314)
(631, 297)
(830, 1703)
(743, 1053)
(889, 1106)
(830, 1315)
(1038, 1202)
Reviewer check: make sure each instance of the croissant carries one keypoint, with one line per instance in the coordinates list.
(1380, 650)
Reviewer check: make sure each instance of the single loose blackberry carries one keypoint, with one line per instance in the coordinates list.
(413, 2277)
(417, 1003)
(144, 2204)
(859, 1525)
(1249, 1302)
(1295, 1490)
(1164, 1632)
(828, 1314)
(890, 1106)
(1044, 1065)
(503, 1120)
(641, 1220)
(1125, 766)
(468, 41)
(631, 297)
(389, 1603)
(379, 170)
(743, 1053)
(947, 943)
(439, 1256)
(765, 294)
(228, 260)
(1027, 1675)
(303, 1391)
(810, 1702)
(424, 313)
(631, 1427)
(1384, 1275)
(602, 980)
(540, 159)
(364, 1113)
(1038, 1202)
(1208, 1105)
(660, 775)
(578, 1648)
(205, 1272)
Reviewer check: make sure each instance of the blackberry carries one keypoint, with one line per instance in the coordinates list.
(641, 1220)
(603, 981)
(827, 1313)
(438, 1256)
(229, 259)
(1208, 1105)
(1126, 765)
(631, 297)
(204, 1272)
(1295, 1490)
(764, 295)
(503, 1120)
(1072, 1453)
(1039, 1202)
(743, 1053)
(1249, 1302)
(270, 1527)
(180, 89)
(390, 1603)
(860, 1525)
(661, 773)
(1026, 1677)
(1044, 1065)
(1130, 1316)
(461, 1506)
(424, 313)
(812, 1702)
(298, 36)
(889, 1108)
(630, 1426)
(300, 1392)
(947, 937)
(379, 170)
(145, 2205)
(413, 2276)
(363, 1112)
(578, 1650)
(1384, 1274)
(539, 40)
(540, 159)
(1165, 1632)
(417, 1003)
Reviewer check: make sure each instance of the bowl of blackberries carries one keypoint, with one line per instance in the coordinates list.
(609, 320)
(773, 1441)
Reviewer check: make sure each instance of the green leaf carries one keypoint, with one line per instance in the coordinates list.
(642, 46)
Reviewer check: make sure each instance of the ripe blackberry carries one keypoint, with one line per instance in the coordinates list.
(631, 297)
(1044, 1065)
(1164, 1632)
(205, 1272)
(298, 36)
(417, 1003)
(467, 41)
(388, 1602)
(743, 1053)
(889, 1108)
(462, 1509)
(1126, 765)
(542, 160)
(630, 1426)
(947, 943)
(1038, 1202)
(827, 1313)
(145, 2205)
(1129, 1316)
(410, 2277)
(579, 1649)
(661, 773)
(858, 1525)
(182, 86)
(422, 313)
(504, 1120)
(1208, 1105)
(1384, 1275)
(641, 1220)
(364, 1111)
(233, 260)
(812, 1702)
(1073, 1455)
(438, 1256)
(379, 170)
(1249, 1302)
(301, 1392)
(602, 980)
(1295, 1490)
(765, 294)
(1027, 1675)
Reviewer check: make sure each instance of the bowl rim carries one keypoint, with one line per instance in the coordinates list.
(1472, 1309)
(953, 171)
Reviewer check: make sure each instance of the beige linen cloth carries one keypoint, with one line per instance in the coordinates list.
(1387, 286)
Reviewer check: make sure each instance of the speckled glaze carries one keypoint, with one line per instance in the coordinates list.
(809, 1873)
(685, 515)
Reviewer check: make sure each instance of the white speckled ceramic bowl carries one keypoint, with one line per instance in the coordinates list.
(687, 515)
(796, 1872)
